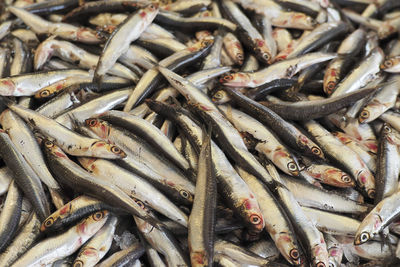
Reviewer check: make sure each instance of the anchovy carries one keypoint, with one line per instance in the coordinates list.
(74, 54)
(349, 160)
(75, 175)
(64, 244)
(283, 69)
(97, 247)
(149, 132)
(26, 144)
(119, 41)
(24, 239)
(28, 84)
(125, 257)
(24, 176)
(67, 31)
(292, 136)
(314, 109)
(201, 225)
(134, 186)
(10, 215)
(72, 142)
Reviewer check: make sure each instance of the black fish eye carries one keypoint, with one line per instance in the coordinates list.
(364, 114)
(184, 194)
(294, 254)
(140, 203)
(98, 216)
(320, 264)
(78, 263)
(115, 149)
(364, 237)
(48, 143)
(387, 129)
(346, 179)
(388, 63)
(49, 222)
(45, 93)
(315, 150)
(255, 219)
(292, 167)
(91, 122)
(331, 85)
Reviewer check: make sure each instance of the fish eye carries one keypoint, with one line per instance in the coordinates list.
(45, 93)
(331, 264)
(239, 56)
(98, 216)
(315, 150)
(115, 150)
(78, 263)
(371, 193)
(364, 114)
(364, 237)
(292, 166)
(266, 56)
(320, 264)
(387, 129)
(294, 254)
(49, 222)
(255, 219)
(48, 143)
(331, 85)
(140, 203)
(184, 194)
(91, 122)
(228, 78)
(346, 179)
(388, 63)
(218, 95)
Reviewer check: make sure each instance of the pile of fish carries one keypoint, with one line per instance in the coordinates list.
(199, 133)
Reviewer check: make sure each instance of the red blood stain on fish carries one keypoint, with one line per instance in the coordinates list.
(90, 252)
(65, 209)
(363, 179)
(142, 14)
(60, 155)
(81, 228)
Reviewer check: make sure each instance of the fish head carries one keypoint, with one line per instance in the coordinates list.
(319, 253)
(90, 225)
(253, 214)
(390, 134)
(220, 97)
(389, 63)
(239, 79)
(338, 178)
(289, 248)
(364, 115)
(261, 49)
(368, 228)
(53, 149)
(55, 221)
(100, 146)
(99, 127)
(50, 90)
